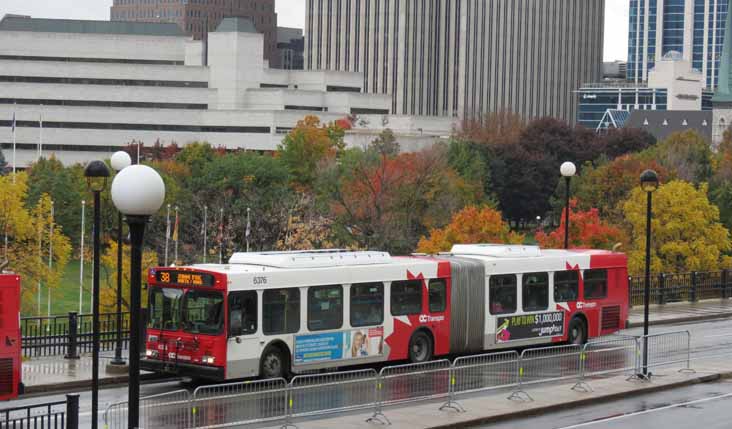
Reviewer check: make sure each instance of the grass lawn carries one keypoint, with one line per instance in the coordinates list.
(66, 297)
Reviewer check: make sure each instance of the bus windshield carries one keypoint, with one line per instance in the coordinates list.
(203, 312)
(165, 308)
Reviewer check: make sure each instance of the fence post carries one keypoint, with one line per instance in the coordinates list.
(73, 331)
(661, 289)
(630, 291)
(724, 283)
(692, 293)
(72, 411)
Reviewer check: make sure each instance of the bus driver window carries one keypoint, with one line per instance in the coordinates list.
(242, 313)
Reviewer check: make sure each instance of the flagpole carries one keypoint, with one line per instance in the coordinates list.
(81, 267)
(167, 233)
(221, 234)
(176, 236)
(94, 264)
(205, 232)
(50, 256)
(246, 234)
(14, 124)
(40, 262)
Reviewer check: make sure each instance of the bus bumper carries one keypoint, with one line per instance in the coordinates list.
(183, 369)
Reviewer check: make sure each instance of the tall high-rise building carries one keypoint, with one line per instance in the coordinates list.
(462, 57)
(694, 28)
(198, 17)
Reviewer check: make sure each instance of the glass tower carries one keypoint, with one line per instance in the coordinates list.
(659, 26)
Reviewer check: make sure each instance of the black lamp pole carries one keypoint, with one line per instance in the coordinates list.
(649, 183)
(118, 349)
(566, 213)
(137, 232)
(95, 171)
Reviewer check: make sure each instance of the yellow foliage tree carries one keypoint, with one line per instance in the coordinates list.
(686, 232)
(108, 292)
(29, 231)
(472, 224)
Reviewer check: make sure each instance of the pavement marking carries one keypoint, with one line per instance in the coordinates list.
(653, 410)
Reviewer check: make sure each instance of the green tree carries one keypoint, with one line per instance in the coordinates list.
(687, 154)
(308, 146)
(3, 164)
(687, 234)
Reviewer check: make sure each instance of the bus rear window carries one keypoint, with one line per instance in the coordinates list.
(165, 308)
(203, 312)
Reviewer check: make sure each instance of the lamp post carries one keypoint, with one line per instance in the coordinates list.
(568, 170)
(649, 183)
(96, 173)
(138, 192)
(120, 160)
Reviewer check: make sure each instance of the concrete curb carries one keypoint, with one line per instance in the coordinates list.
(582, 402)
(105, 382)
(715, 316)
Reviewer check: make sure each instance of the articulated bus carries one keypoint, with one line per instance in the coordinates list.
(274, 314)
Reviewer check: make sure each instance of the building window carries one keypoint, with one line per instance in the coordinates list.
(535, 291)
(367, 304)
(325, 307)
(566, 286)
(281, 311)
(595, 284)
(406, 297)
(502, 294)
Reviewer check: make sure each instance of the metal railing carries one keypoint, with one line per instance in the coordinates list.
(677, 287)
(51, 415)
(237, 404)
(55, 335)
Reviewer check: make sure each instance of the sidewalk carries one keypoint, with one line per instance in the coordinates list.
(491, 407)
(680, 312)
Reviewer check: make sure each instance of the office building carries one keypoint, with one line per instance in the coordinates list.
(695, 28)
(290, 48)
(198, 17)
(99, 85)
(462, 57)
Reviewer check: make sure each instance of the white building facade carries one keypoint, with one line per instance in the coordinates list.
(462, 57)
(85, 88)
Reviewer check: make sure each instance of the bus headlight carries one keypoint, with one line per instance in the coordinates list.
(209, 360)
(151, 353)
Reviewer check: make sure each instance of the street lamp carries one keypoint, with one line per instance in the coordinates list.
(119, 161)
(649, 183)
(138, 192)
(96, 173)
(568, 170)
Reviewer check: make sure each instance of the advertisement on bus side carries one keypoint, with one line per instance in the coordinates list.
(352, 344)
(529, 326)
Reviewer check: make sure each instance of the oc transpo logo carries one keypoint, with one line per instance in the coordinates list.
(424, 318)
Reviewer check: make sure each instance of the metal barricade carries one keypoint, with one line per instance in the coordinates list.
(414, 382)
(669, 349)
(170, 410)
(332, 392)
(611, 356)
(236, 404)
(485, 372)
(549, 364)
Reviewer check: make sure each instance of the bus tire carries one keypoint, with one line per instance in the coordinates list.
(420, 347)
(577, 331)
(274, 363)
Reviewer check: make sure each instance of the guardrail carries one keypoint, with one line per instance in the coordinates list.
(676, 287)
(51, 415)
(251, 402)
(56, 335)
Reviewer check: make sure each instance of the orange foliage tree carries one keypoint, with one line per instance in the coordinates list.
(586, 230)
(472, 224)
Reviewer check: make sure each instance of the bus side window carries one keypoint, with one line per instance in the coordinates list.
(502, 294)
(595, 284)
(242, 313)
(535, 291)
(406, 297)
(281, 311)
(437, 296)
(367, 304)
(566, 286)
(325, 307)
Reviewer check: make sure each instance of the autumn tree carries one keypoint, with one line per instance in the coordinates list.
(108, 291)
(586, 230)
(470, 225)
(687, 154)
(307, 146)
(687, 234)
(621, 141)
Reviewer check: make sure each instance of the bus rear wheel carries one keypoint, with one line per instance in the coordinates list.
(420, 347)
(577, 332)
(273, 364)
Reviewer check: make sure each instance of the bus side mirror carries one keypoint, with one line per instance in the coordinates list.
(235, 323)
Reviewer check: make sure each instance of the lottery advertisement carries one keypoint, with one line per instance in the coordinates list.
(530, 326)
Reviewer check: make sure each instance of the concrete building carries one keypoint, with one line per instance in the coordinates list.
(199, 17)
(99, 85)
(673, 85)
(695, 28)
(462, 57)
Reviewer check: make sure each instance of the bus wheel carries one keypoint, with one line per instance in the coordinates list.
(420, 347)
(273, 364)
(577, 331)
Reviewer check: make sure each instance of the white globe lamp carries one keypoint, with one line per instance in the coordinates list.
(138, 190)
(568, 169)
(120, 160)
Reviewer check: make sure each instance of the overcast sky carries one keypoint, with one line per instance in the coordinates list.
(291, 13)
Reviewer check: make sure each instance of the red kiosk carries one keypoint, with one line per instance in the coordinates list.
(10, 361)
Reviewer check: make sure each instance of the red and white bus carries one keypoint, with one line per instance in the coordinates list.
(276, 313)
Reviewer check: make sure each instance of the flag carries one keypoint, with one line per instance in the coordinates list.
(175, 229)
(167, 228)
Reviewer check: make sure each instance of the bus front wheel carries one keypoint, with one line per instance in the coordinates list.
(577, 331)
(420, 347)
(273, 364)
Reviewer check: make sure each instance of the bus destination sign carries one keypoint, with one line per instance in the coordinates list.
(185, 278)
